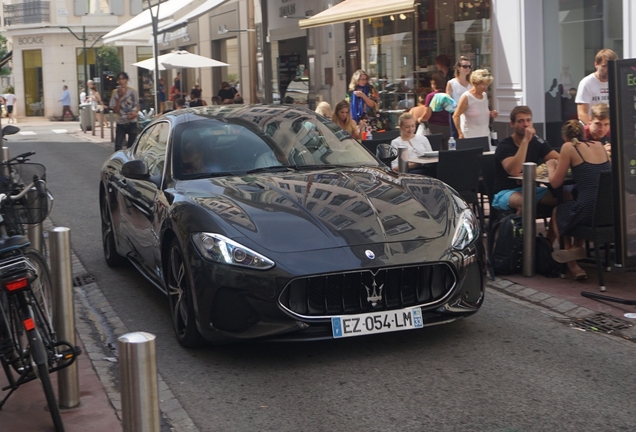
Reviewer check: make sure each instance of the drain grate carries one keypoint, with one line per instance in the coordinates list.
(83, 279)
(600, 323)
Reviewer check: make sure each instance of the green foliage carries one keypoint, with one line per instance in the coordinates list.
(9, 89)
(109, 57)
(232, 78)
(3, 52)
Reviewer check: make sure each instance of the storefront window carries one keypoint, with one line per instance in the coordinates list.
(145, 80)
(97, 70)
(33, 88)
(388, 43)
(574, 31)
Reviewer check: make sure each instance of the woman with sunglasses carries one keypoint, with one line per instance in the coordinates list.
(458, 86)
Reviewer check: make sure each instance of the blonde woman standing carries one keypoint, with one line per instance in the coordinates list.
(472, 116)
(362, 97)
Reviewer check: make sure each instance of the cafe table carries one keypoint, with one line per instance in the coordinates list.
(435, 159)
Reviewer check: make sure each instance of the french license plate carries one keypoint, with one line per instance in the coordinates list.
(376, 322)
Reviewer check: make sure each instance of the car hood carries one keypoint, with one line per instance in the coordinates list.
(326, 209)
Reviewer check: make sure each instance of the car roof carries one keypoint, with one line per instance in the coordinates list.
(247, 111)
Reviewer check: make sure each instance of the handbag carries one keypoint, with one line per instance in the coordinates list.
(422, 129)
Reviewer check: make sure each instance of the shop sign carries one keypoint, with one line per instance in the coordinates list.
(277, 10)
(174, 35)
(30, 40)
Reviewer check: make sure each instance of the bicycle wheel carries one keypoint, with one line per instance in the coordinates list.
(45, 379)
(42, 288)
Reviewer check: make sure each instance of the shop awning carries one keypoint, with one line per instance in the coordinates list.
(138, 30)
(353, 10)
(196, 13)
(4, 60)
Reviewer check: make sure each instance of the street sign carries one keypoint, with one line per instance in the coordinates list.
(622, 102)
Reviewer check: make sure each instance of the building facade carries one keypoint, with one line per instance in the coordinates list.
(537, 50)
(55, 44)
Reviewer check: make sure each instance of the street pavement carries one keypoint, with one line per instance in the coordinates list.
(100, 400)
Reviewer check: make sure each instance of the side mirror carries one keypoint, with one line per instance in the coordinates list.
(10, 130)
(136, 170)
(386, 153)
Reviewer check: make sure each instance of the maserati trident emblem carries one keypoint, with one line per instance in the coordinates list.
(369, 254)
(374, 293)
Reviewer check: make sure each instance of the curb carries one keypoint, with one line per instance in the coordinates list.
(556, 307)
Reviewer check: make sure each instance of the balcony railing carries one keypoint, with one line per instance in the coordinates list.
(26, 12)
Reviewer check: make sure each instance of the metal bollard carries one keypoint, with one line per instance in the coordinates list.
(102, 116)
(5, 157)
(138, 378)
(112, 131)
(528, 217)
(64, 311)
(403, 164)
(92, 112)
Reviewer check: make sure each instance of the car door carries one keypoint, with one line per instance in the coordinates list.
(141, 196)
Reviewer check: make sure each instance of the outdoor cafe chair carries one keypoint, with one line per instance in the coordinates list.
(601, 231)
(477, 142)
(457, 168)
(436, 141)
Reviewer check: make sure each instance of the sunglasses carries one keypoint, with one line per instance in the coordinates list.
(466, 66)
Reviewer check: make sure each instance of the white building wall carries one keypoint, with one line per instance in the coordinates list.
(518, 67)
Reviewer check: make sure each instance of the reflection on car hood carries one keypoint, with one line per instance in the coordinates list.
(327, 209)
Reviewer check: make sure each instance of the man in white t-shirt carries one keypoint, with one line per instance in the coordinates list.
(594, 89)
(10, 101)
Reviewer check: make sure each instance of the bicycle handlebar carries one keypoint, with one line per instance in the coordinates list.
(19, 158)
(24, 191)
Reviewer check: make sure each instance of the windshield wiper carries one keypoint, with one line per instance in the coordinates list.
(275, 168)
(210, 175)
(317, 167)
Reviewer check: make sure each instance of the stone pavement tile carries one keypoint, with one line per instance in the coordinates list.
(514, 288)
(527, 292)
(552, 302)
(579, 312)
(565, 306)
(538, 297)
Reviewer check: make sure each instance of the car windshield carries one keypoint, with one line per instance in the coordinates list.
(208, 145)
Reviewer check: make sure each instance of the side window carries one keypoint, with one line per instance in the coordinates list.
(151, 148)
(142, 143)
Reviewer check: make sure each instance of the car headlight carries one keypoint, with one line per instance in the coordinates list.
(215, 247)
(467, 229)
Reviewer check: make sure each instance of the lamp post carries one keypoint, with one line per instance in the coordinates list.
(155, 49)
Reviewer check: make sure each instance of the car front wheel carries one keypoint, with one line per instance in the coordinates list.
(113, 258)
(181, 302)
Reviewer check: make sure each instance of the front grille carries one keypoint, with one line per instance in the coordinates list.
(353, 292)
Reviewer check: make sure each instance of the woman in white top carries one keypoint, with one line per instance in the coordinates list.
(457, 86)
(472, 115)
(417, 145)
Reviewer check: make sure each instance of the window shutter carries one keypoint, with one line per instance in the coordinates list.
(117, 7)
(81, 7)
(136, 7)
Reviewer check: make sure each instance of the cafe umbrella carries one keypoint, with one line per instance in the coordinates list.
(179, 60)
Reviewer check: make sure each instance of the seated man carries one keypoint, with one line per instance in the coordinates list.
(599, 127)
(512, 152)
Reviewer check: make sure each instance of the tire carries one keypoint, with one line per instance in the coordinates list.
(113, 258)
(42, 288)
(45, 379)
(180, 297)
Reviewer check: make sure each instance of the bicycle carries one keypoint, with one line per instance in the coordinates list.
(29, 348)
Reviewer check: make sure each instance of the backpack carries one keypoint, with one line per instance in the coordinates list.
(544, 264)
(507, 245)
